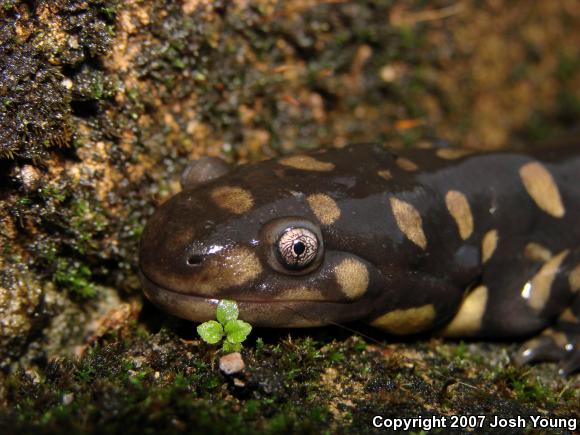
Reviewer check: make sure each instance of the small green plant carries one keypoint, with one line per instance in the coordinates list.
(228, 325)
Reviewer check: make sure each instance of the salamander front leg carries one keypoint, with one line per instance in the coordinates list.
(545, 303)
(552, 295)
(558, 343)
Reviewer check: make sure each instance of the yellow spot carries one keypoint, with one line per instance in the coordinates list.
(231, 268)
(542, 188)
(407, 321)
(352, 277)
(409, 222)
(536, 252)
(467, 321)
(324, 207)
(424, 145)
(385, 173)
(301, 294)
(488, 245)
(540, 286)
(574, 279)
(306, 163)
(240, 266)
(460, 211)
(453, 153)
(568, 316)
(406, 164)
(232, 198)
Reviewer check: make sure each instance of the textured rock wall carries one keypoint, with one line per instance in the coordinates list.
(102, 102)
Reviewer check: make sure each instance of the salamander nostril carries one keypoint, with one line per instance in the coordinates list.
(194, 260)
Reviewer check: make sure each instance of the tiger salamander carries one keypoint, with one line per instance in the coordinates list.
(446, 240)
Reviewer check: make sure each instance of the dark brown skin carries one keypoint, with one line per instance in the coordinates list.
(395, 238)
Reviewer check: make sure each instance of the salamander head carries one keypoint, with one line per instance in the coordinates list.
(261, 235)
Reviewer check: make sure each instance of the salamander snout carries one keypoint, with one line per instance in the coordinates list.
(197, 253)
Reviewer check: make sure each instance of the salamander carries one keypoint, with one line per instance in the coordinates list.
(449, 241)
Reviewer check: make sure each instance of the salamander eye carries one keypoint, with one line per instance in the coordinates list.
(297, 248)
(292, 245)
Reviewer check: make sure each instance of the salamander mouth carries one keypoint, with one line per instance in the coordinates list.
(275, 314)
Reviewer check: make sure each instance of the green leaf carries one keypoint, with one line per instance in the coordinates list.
(237, 330)
(211, 332)
(228, 347)
(227, 311)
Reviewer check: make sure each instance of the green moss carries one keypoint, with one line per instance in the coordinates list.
(569, 107)
(76, 278)
(131, 379)
(49, 193)
(539, 128)
(568, 65)
(110, 11)
(532, 391)
(8, 5)
(336, 357)
(36, 113)
(408, 37)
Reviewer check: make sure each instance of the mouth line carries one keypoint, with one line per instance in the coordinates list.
(149, 284)
(265, 313)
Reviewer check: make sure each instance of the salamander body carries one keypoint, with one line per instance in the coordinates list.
(443, 240)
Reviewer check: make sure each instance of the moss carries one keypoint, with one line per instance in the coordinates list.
(8, 5)
(21, 299)
(37, 55)
(533, 392)
(157, 380)
(568, 65)
(76, 278)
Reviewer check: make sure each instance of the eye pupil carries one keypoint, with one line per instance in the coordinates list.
(299, 247)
